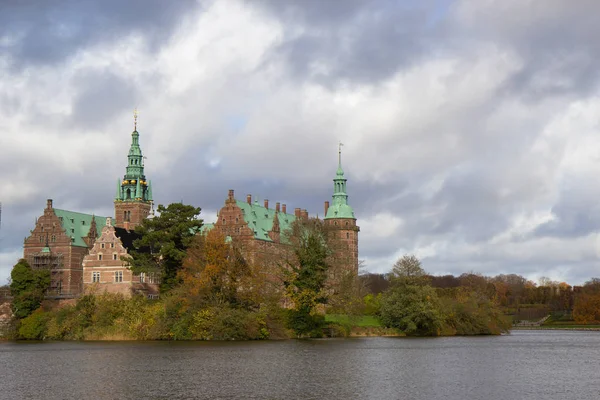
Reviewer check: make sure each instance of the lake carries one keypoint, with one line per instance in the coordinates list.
(523, 365)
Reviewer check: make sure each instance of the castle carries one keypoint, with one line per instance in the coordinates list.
(84, 251)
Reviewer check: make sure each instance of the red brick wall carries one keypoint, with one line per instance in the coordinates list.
(68, 277)
(101, 259)
(345, 232)
(138, 212)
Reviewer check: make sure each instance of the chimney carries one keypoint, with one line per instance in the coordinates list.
(230, 196)
(49, 204)
(283, 209)
(326, 208)
(266, 203)
(249, 199)
(304, 214)
(297, 212)
(277, 206)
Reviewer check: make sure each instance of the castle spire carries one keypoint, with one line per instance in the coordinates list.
(339, 207)
(133, 201)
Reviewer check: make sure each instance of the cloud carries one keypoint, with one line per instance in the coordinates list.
(468, 141)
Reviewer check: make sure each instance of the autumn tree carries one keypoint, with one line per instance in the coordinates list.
(215, 272)
(164, 241)
(586, 309)
(27, 287)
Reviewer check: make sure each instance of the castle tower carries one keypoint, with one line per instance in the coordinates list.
(133, 200)
(339, 216)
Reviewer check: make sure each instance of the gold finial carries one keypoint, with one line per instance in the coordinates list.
(135, 115)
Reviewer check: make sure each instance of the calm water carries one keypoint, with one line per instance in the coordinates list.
(523, 365)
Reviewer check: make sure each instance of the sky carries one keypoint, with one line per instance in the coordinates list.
(470, 127)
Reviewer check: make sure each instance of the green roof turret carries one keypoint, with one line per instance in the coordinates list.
(340, 207)
(134, 187)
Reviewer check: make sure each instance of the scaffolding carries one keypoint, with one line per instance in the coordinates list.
(52, 262)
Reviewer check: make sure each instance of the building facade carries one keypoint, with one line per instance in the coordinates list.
(62, 239)
(85, 252)
(261, 230)
(105, 267)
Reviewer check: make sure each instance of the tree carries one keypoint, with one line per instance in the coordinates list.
(214, 271)
(586, 309)
(27, 288)
(414, 309)
(305, 275)
(407, 270)
(164, 241)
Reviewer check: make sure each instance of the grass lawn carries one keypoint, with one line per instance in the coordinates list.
(358, 320)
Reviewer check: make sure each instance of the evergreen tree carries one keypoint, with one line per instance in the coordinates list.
(305, 276)
(27, 288)
(164, 241)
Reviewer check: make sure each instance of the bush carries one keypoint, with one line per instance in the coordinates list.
(412, 309)
(34, 326)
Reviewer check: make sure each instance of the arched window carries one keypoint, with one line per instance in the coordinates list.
(128, 194)
(347, 235)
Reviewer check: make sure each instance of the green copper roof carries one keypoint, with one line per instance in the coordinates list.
(133, 186)
(77, 225)
(339, 207)
(206, 227)
(260, 219)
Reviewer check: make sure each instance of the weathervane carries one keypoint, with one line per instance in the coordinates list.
(135, 115)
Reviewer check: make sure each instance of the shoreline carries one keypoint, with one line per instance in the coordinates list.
(552, 328)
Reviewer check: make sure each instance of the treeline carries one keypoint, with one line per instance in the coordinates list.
(518, 297)
(409, 300)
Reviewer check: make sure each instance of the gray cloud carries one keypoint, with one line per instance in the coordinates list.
(47, 32)
(361, 42)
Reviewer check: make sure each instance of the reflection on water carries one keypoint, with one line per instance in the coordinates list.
(523, 365)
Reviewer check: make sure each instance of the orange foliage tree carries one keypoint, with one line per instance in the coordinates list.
(587, 308)
(214, 271)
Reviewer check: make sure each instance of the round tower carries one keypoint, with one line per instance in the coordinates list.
(339, 217)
